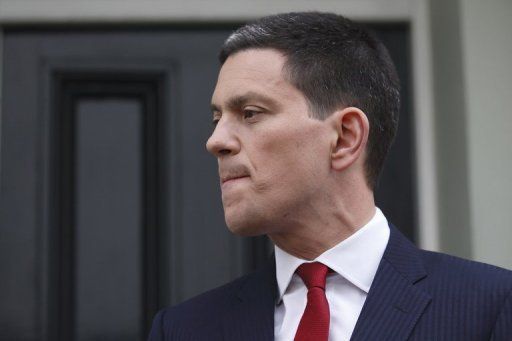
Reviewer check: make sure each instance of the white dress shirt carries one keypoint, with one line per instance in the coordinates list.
(354, 261)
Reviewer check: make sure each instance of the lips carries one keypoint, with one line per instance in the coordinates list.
(230, 178)
(232, 173)
(231, 182)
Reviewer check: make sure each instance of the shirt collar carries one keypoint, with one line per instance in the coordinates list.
(355, 258)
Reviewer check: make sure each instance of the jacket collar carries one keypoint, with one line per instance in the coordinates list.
(394, 303)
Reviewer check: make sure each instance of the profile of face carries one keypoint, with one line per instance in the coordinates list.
(273, 157)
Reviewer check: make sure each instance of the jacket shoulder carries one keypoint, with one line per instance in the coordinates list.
(468, 297)
(440, 264)
(474, 281)
(200, 312)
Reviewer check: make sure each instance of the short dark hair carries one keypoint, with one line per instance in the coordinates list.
(335, 63)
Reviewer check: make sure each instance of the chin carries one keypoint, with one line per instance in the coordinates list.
(245, 226)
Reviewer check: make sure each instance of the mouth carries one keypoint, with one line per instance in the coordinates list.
(233, 178)
(232, 174)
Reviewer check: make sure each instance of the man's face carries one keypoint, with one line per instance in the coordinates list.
(273, 157)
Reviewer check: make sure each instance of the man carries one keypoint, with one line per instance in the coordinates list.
(305, 110)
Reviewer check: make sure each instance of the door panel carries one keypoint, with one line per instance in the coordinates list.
(108, 223)
(395, 194)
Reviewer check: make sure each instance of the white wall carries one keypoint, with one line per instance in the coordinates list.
(487, 49)
(472, 63)
(450, 129)
(130, 11)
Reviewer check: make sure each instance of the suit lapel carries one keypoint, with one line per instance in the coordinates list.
(394, 304)
(252, 316)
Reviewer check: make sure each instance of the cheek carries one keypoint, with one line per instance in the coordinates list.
(288, 158)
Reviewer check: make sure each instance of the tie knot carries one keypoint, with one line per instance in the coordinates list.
(313, 274)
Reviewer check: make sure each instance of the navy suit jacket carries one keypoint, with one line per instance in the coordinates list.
(416, 295)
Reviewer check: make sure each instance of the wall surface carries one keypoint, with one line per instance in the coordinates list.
(450, 129)
(472, 53)
(124, 11)
(487, 49)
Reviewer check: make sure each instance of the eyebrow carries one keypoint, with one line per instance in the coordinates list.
(239, 101)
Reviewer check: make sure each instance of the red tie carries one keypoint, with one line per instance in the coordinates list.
(314, 324)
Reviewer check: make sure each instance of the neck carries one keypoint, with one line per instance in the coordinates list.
(320, 227)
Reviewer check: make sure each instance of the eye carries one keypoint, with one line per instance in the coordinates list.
(216, 118)
(250, 113)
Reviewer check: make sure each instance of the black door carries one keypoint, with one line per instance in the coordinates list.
(110, 206)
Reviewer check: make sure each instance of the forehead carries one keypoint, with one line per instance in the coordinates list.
(258, 71)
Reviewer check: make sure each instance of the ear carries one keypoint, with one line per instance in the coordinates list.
(352, 129)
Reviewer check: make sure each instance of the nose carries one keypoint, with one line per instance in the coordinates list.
(223, 140)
